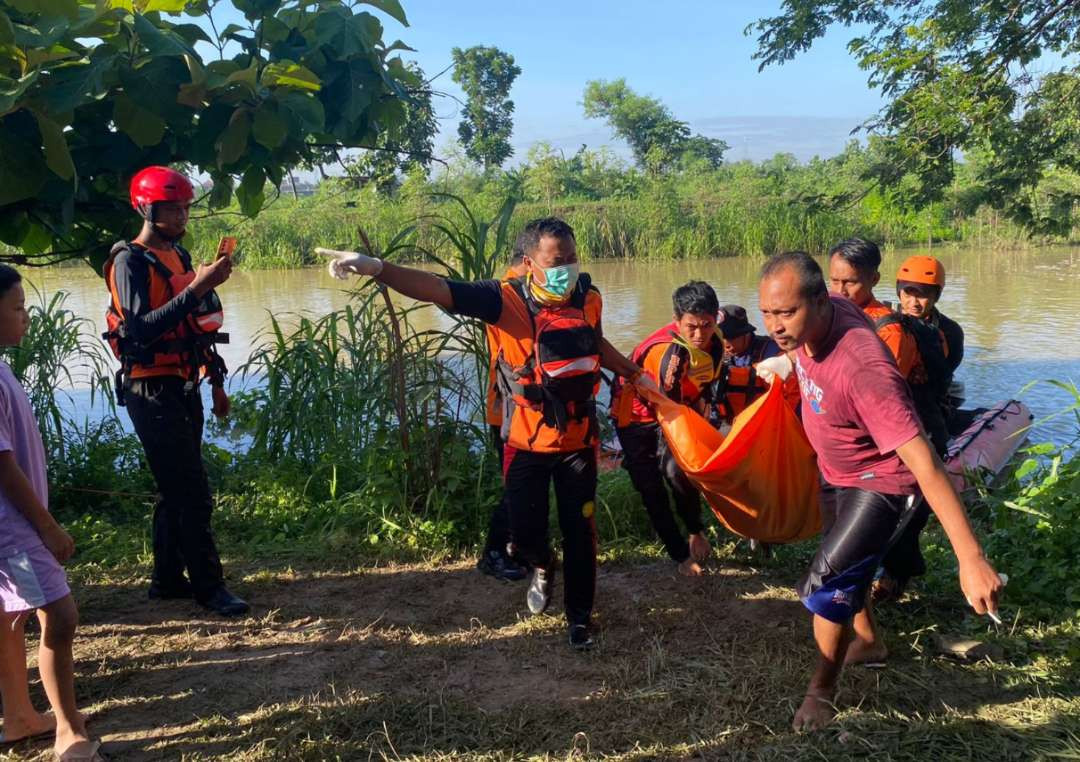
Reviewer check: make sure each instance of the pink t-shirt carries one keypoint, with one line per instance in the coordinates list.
(19, 435)
(857, 408)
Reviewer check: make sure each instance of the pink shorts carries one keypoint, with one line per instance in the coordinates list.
(30, 579)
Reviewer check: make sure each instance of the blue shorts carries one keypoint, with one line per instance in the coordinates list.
(859, 528)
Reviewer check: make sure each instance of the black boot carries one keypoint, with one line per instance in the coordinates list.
(221, 601)
(500, 566)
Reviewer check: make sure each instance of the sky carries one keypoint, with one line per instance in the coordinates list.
(690, 54)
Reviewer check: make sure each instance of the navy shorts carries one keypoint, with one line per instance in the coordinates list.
(859, 528)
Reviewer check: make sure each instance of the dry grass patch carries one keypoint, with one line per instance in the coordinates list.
(436, 661)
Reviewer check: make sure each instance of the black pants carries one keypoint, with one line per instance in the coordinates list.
(528, 476)
(499, 525)
(169, 423)
(652, 466)
(905, 559)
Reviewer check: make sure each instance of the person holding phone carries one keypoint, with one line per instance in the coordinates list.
(164, 321)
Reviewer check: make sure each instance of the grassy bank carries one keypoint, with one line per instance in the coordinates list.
(740, 209)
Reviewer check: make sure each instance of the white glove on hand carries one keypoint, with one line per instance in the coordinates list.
(774, 367)
(344, 262)
(645, 381)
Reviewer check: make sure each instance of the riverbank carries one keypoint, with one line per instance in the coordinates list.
(738, 210)
(403, 660)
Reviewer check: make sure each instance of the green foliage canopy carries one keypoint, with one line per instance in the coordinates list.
(657, 139)
(93, 90)
(486, 75)
(959, 77)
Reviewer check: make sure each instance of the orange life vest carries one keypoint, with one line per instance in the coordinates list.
(188, 349)
(549, 368)
(738, 386)
(696, 380)
(493, 408)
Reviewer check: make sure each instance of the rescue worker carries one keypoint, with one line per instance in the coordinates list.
(495, 559)
(860, 419)
(919, 282)
(738, 384)
(919, 350)
(683, 358)
(163, 321)
(549, 333)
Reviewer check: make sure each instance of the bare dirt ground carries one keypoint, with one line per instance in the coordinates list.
(438, 661)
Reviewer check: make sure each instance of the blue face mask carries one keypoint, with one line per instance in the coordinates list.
(559, 281)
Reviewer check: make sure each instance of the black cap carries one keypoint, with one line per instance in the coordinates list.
(734, 324)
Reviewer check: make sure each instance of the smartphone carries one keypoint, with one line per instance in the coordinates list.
(226, 246)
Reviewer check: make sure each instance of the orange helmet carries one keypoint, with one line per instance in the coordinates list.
(925, 270)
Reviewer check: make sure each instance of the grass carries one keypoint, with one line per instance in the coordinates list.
(386, 660)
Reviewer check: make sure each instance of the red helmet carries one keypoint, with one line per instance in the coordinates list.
(159, 184)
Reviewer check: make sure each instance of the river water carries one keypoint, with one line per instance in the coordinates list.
(1020, 312)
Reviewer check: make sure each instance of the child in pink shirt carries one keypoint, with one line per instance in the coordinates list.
(32, 547)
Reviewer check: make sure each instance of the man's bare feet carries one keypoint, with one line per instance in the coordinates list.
(699, 547)
(690, 568)
(20, 728)
(863, 652)
(816, 712)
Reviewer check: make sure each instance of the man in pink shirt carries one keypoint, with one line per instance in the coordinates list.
(875, 459)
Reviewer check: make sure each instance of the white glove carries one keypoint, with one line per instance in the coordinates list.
(774, 367)
(344, 262)
(645, 381)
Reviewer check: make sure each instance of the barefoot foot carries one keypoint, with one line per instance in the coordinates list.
(699, 547)
(816, 712)
(690, 568)
(20, 728)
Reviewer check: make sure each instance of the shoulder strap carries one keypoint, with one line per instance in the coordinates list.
(886, 320)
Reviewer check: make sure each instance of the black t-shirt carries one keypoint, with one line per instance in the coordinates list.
(954, 339)
(479, 299)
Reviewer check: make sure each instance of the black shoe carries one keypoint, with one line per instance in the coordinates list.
(221, 601)
(580, 637)
(500, 566)
(538, 595)
(176, 591)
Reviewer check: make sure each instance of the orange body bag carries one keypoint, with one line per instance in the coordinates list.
(761, 479)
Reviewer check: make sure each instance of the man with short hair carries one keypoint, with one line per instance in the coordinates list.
(877, 463)
(551, 351)
(918, 350)
(738, 384)
(683, 357)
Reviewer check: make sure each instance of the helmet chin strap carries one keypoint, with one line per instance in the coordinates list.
(147, 213)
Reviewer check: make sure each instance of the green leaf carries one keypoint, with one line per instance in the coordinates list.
(71, 86)
(160, 42)
(14, 225)
(168, 6)
(11, 90)
(221, 192)
(289, 74)
(68, 8)
(348, 35)
(234, 138)
(22, 167)
(304, 112)
(254, 9)
(268, 128)
(145, 128)
(57, 154)
(391, 8)
(7, 31)
(273, 29)
(246, 77)
(250, 193)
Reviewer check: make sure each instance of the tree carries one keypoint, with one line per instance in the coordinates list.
(656, 138)
(958, 77)
(486, 75)
(409, 145)
(93, 90)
